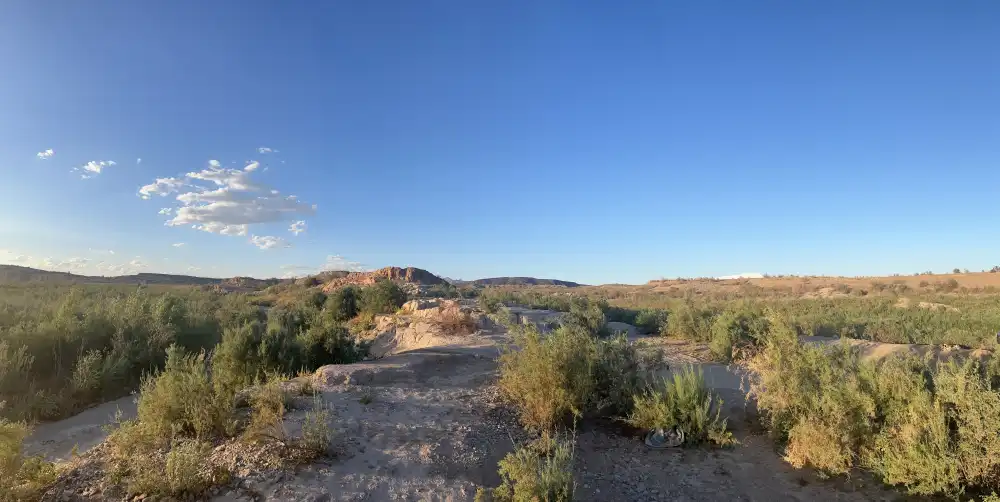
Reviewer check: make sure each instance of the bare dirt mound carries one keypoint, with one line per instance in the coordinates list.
(427, 323)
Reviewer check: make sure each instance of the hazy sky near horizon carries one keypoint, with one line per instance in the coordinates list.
(588, 141)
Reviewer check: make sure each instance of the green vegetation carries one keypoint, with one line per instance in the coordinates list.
(383, 297)
(684, 402)
(537, 472)
(927, 426)
(63, 348)
(23, 477)
(879, 315)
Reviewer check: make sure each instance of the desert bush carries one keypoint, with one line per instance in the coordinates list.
(531, 475)
(182, 399)
(342, 304)
(621, 314)
(618, 375)
(587, 316)
(267, 412)
(383, 297)
(737, 328)
(690, 321)
(569, 373)
(818, 398)
(549, 379)
(650, 321)
(24, 478)
(685, 402)
(933, 428)
(316, 434)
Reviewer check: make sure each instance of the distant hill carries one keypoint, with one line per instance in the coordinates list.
(17, 274)
(518, 281)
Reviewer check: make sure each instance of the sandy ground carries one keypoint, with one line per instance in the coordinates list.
(56, 440)
(427, 424)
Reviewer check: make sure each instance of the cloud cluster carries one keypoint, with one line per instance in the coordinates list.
(45, 154)
(162, 187)
(93, 168)
(337, 262)
(178, 244)
(268, 241)
(333, 262)
(227, 202)
(265, 149)
(298, 227)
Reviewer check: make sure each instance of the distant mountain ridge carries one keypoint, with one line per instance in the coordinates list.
(19, 274)
(518, 281)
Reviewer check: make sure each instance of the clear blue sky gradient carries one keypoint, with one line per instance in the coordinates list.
(590, 141)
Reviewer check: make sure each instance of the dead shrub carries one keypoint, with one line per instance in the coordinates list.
(454, 322)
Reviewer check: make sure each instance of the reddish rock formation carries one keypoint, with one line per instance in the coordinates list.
(408, 275)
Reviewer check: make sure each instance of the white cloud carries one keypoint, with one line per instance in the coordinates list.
(235, 203)
(101, 251)
(231, 178)
(94, 167)
(337, 262)
(193, 269)
(265, 149)
(45, 154)
(215, 163)
(298, 227)
(162, 187)
(138, 161)
(268, 242)
(178, 244)
(166, 210)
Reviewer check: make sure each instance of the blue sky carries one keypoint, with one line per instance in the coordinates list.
(589, 141)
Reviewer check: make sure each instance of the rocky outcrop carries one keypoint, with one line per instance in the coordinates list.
(408, 275)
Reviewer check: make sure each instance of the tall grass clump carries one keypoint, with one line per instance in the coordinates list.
(684, 402)
(538, 472)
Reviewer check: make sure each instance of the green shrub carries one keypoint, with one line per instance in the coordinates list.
(383, 297)
(530, 475)
(684, 402)
(549, 379)
(587, 316)
(24, 478)
(735, 329)
(690, 321)
(650, 321)
(267, 412)
(342, 304)
(182, 399)
(617, 374)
